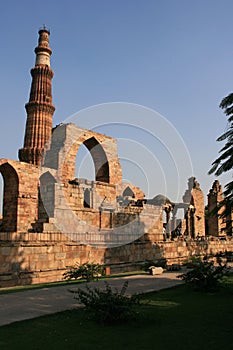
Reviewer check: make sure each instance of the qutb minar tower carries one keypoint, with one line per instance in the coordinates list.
(40, 108)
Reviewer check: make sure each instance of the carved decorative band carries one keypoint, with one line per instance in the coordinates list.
(42, 70)
(32, 107)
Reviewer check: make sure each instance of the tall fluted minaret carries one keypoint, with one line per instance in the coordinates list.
(39, 108)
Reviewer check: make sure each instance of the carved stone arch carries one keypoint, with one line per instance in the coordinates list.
(20, 195)
(87, 198)
(47, 178)
(99, 158)
(65, 143)
(128, 192)
(10, 197)
(46, 196)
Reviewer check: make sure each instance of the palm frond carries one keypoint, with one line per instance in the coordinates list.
(226, 101)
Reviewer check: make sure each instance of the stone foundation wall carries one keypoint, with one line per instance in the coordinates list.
(28, 258)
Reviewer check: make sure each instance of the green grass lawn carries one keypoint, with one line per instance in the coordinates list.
(176, 319)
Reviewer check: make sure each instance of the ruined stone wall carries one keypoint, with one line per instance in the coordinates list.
(29, 258)
(100, 193)
(70, 214)
(20, 199)
(216, 224)
(37, 258)
(199, 215)
(195, 216)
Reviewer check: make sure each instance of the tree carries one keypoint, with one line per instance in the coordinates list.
(224, 162)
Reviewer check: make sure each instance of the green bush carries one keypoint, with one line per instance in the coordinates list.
(87, 271)
(204, 275)
(191, 262)
(108, 306)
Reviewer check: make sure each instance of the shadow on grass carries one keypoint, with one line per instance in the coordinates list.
(173, 318)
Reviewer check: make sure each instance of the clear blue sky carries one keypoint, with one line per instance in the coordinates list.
(175, 57)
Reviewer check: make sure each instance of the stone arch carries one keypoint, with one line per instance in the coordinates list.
(84, 165)
(66, 140)
(46, 196)
(99, 158)
(20, 197)
(87, 198)
(128, 192)
(47, 178)
(10, 197)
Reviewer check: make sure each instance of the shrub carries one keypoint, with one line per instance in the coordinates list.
(191, 262)
(204, 275)
(86, 271)
(107, 305)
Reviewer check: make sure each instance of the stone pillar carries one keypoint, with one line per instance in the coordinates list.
(168, 223)
(216, 224)
(174, 219)
(195, 197)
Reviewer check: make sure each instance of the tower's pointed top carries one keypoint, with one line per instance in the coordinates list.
(44, 29)
(43, 51)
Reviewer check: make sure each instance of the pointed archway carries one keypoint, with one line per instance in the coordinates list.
(99, 158)
(84, 165)
(10, 198)
(128, 192)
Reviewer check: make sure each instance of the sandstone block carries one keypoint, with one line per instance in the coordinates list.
(156, 270)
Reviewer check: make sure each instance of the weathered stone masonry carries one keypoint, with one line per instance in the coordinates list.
(37, 258)
(52, 220)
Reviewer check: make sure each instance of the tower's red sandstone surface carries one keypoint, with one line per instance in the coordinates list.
(40, 108)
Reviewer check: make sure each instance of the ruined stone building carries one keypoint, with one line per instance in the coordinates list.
(52, 219)
(217, 225)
